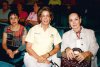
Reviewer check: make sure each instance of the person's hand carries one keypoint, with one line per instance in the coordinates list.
(45, 56)
(41, 59)
(30, 21)
(70, 54)
(15, 52)
(47, 62)
(80, 57)
(10, 53)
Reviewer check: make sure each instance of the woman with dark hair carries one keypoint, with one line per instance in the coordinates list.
(22, 14)
(78, 44)
(32, 19)
(13, 41)
(40, 41)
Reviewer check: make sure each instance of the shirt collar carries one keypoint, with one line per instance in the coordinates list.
(41, 26)
(82, 30)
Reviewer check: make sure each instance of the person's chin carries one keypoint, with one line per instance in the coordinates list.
(74, 27)
(46, 23)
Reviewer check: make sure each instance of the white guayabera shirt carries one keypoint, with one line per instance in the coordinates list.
(41, 40)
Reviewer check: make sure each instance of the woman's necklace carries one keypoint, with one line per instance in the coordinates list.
(15, 28)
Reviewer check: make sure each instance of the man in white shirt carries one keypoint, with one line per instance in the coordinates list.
(40, 40)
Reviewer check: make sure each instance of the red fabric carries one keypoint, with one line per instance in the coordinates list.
(72, 2)
(23, 14)
(17, 33)
(19, 1)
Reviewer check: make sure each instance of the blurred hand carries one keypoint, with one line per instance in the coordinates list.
(80, 57)
(70, 54)
(15, 52)
(45, 56)
(10, 53)
(42, 59)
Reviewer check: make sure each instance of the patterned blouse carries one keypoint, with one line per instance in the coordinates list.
(14, 38)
